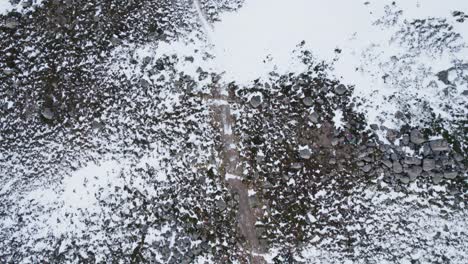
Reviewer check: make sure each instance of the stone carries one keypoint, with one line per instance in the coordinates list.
(412, 161)
(391, 135)
(404, 179)
(256, 101)
(414, 172)
(458, 157)
(405, 139)
(450, 175)
(341, 89)
(308, 101)
(429, 164)
(439, 145)
(314, 117)
(387, 163)
(426, 150)
(360, 163)
(221, 205)
(437, 178)
(417, 137)
(305, 153)
(47, 113)
(332, 161)
(296, 165)
(374, 126)
(366, 168)
(397, 168)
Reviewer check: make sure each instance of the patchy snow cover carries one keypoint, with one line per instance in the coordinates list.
(366, 43)
(22, 5)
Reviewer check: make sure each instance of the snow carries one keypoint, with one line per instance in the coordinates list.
(5, 6)
(338, 119)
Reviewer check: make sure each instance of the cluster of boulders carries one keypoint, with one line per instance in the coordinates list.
(410, 155)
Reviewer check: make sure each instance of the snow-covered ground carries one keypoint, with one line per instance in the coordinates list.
(146, 158)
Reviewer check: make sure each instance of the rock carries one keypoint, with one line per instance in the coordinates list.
(11, 24)
(332, 161)
(360, 163)
(366, 168)
(405, 139)
(314, 117)
(387, 163)
(426, 150)
(256, 101)
(450, 175)
(340, 89)
(8, 71)
(397, 168)
(305, 153)
(221, 205)
(417, 137)
(47, 113)
(412, 161)
(458, 157)
(404, 179)
(437, 178)
(296, 165)
(391, 135)
(428, 164)
(308, 101)
(439, 145)
(374, 126)
(414, 172)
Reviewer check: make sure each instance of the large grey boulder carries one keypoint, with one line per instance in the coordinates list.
(305, 153)
(417, 137)
(397, 168)
(47, 113)
(450, 175)
(340, 89)
(429, 164)
(414, 172)
(256, 101)
(308, 101)
(439, 145)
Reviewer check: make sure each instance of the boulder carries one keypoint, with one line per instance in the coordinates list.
(366, 168)
(47, 113)
(428, 164)
(412, 161)
(450, 175)
(417, 137)
(414, 172)
(397, 168)
(340, 89)
(314, 117)
(256, 101)
(439, 145)
(305, 153)
(308, 101)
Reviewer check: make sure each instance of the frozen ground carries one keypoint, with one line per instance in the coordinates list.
(233, 131)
